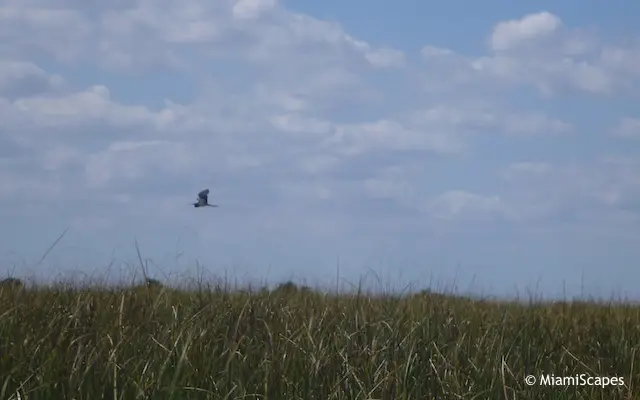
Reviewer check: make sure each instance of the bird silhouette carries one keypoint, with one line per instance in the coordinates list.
(203, 199)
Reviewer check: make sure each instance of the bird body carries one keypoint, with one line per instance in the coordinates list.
(203, 199)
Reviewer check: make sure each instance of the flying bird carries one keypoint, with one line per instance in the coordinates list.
(203, 199)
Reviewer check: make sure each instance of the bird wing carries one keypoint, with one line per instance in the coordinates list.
(204, 195)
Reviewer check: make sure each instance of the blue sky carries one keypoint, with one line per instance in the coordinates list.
(493, 146)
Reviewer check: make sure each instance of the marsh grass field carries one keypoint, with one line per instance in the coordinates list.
(208, 342)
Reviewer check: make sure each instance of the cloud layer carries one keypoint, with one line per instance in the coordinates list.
(311, 139)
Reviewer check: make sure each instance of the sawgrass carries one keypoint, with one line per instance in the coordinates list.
(212, 343)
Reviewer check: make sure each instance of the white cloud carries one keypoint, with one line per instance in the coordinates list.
(390, 135)
(509, 34)
(85, 107)
(136, 160)
(578, 190)
(56, 31)
(460, 204)
(540, 51)
(319, 164)
(529, 169)
(622, 60)
(59, 157)
(537, 192)
(151, 33)
(286, 103)
(20, 78)
(386, 58)
(472, 119)
(548, 75)
(394, 183)
(628, 127)
(309, 191)
(297, 124)
(251, 8)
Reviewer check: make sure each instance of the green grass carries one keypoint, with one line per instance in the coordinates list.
(162, 343)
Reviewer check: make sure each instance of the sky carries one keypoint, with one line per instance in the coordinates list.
(489, 147)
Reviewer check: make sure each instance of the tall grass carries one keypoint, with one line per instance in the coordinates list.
(156, 342)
